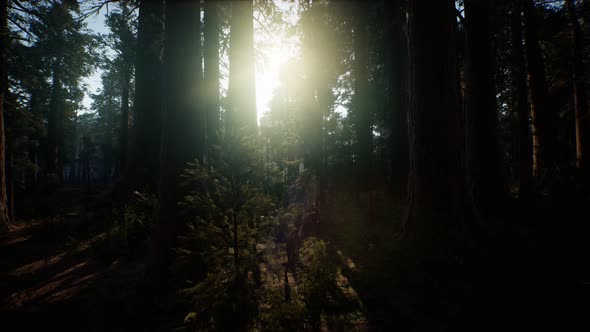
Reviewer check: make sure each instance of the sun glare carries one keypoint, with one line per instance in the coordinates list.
(273, 48)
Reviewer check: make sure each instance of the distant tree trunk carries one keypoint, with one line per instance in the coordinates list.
(580, 101)
(436, 212)
(55, 121)
(520, 106)
(485, 182)
(398, 95)
(182, 131)
(124, 123)
(323, 92)
(10, 174)
(241, 89)
(211, 70)
(361, 106)
(36, 109)
(4, 219)
(543, 118)
(147, 105)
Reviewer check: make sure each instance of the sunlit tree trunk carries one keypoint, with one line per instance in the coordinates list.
(242, 88)
(211, 70)
(484, 167)
(147, 106)
(397, 89)
(580, 101)
(182, 137)
(436, 191)
(323, 92)
(314, 99)
(520, 106)
(4, 220)
(543, 117)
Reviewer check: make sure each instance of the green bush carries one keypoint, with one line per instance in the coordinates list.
(322, 286)
(128, 234)
(232, 219)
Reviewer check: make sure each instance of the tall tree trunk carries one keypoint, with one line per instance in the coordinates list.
(323, 92)
(211, 70)
(124, 123)
(148, 101)
(10, 174)
(182, 132)
(315, 101)
(4, 220)
(398, 94)
(485, 182)
(361, 106)
(520, 106)
(55, 121)
(543, 117)
(580, 101)
(242, 87)
(36, 109)
(436, 188)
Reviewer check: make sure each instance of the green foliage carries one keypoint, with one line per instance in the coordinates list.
(128, 235)
(232, 222)
(63, 42)
(324, 290)
(278, 315)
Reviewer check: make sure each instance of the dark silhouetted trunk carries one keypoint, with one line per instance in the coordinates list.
(361, 105)
(580, 101)
(211, 70)
(543, 118)
(436, 191)
(182, 136)
(523, 141)
(147, 107)
(398, 94)
(485, 182)
(10, 175)
(4, 220)
(55, 121)
(241, 90)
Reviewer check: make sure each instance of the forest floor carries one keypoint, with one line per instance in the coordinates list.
(535, 274)
(531, 270)
(50, 277)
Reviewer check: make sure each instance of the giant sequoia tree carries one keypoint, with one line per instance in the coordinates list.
(396, 66)
(182, 124)
(520, 106)
(544, 117)
(484, 166)
(582, 114)
(147, 116)
(4, 222)
(211, 70)
(362, 111)
(436, 186)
